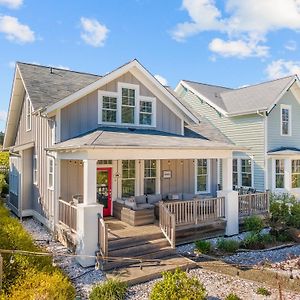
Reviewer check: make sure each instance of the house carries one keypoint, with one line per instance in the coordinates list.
(83, 147)
(262, 117)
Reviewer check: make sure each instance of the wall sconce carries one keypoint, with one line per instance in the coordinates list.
(169, 162)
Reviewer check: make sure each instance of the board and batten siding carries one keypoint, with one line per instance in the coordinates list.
(82, 116)
(275, 139)
(246, 131)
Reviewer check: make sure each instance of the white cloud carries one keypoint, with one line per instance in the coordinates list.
(16, 31)
(11, 3)
(93, 33)
(239, 48)
(161, 79)
(281, 68)
(248, 21)
(291, 46)
(3, 115)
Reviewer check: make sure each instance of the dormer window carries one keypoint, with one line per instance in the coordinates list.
(126, 107)
(28, 113)
(286, 120)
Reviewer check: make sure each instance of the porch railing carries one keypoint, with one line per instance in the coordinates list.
(102, 236)
(67, 214)
(167, 224)
(253, 204)
(197, 211)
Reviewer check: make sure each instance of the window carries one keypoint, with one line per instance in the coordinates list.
(35, 169)
(202, 175)
(109, 109)
(235, 174)
(14, 176)
(285, 120)
(128, 106)
(246, 172)
(128, 178)
(28, 114)
(150, 177)
(104, 162)
(50, 173)
(296, 173)
(145, 112)
(279, 173)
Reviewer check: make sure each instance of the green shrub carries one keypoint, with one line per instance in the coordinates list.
(17, 268)
(253, 241)
(41, 285)
(254, 224)
(228, 246)
(263, 291)
(4, 158)
(178, 286)
(267, 238)
(203, 246)
(112, 289)
(232, 296)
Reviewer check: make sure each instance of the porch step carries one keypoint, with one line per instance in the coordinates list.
(134, 275)
(140, 249)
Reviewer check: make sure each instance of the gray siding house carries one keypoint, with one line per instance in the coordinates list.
(79, 143)
(263, 118)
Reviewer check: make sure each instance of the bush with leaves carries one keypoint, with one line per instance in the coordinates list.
(19, 268)
(178, 286)
(232, 296)
(263, 291)
(203, 246)
(228, 245)
(254, 224)
(112, 289)
(4, 158)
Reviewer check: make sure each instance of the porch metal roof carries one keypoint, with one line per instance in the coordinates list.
(285, 151)
(109, 137)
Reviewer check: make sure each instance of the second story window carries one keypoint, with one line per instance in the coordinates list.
(286, 120)
(35, 169)
(28, 113)
(128, 105)
(146, 113)
(109, 109)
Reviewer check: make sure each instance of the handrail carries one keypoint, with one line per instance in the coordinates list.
(102, 237)
(253, 204)
(67, 214)
(167, 224)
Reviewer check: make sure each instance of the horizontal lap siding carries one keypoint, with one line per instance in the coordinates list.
(82, 115)
(275, 140)
(246, 131)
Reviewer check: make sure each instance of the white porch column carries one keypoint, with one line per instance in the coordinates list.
(89, 181)
(87, 226)
(231, 199)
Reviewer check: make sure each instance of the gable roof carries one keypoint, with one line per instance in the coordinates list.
(48, 85)
(249, 99)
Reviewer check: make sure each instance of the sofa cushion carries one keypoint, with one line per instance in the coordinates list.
(152, 199)
(177, 196)
(188, 196)
(120, 201)
(141, 199)
(130, 203)
(144, 206)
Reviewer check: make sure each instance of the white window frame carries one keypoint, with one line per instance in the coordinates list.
(28, 113)
(129, 178)
(239, 170)
(274, 174)
(156, 177)
(49, 160)
(294, 173)
(138, 99)
(35, 169)
(251, 170)
(289, 108)
(207, 191)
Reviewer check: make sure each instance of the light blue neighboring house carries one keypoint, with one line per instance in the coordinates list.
(264, 118)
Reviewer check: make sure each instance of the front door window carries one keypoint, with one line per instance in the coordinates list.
(104, 189)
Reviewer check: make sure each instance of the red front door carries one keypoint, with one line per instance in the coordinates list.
(104, 189)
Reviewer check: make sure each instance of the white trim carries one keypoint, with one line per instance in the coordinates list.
(28, 115)
(133, 65)
(50, 159)
(266, 168)
(58, 126)
(289, 108)
(239, 159)
(35, 169)
(208, 179)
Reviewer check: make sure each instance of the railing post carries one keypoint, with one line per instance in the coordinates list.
(173, 231)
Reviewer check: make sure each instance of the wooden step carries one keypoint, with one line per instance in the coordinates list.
(141, 249)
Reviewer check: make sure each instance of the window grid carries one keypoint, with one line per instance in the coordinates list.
(109, 109)
(50, 173)
(128, 105)
(246, 172)
(128, 178)
(296, 173)
(145, 112)
(202, 175)
(35, 169)
(28, 114)
(285, 121)
(235, 173)
(149, 177)
(279, 173)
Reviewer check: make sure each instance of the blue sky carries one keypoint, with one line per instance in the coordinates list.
(229, 42)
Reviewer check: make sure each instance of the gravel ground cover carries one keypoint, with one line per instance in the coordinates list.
(218, 286)
(82, 278)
